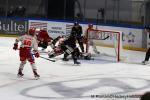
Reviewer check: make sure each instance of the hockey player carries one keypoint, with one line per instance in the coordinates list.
(148, 51)
(77, 31)
(90, 41)
(56, 46)
(28, 42)
(58, 49)
(69, 47)
(66, 45)
(57, 39)
(44, 39)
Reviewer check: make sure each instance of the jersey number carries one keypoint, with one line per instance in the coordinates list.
(27, 42)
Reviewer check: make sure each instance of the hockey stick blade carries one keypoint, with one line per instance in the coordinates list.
(105, 38)
(100, 38)
(47, 59)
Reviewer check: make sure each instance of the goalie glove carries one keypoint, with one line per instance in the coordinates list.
(15, 46)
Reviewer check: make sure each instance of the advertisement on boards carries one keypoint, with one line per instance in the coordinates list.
(10, 26)
(131, 37)
(54, 29)
(38, 24)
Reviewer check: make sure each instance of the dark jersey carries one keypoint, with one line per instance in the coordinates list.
(70, 41)
(76, 31)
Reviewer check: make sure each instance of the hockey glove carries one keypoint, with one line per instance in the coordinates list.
(36, 53)
(15, 46)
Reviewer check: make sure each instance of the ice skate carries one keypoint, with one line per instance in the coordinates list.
(20, 74)
(144, 62)
(65, 59)
(36, 75)
(97, 52)
(76, 62)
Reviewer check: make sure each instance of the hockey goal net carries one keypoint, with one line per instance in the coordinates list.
(97, 39)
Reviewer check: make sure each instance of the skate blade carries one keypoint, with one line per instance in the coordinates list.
(20, 76)
(36, 78)
(77, 64)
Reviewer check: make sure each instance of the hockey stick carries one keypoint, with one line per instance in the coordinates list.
(47, 59)
(101, 39)
(40, 56)
(105, 38)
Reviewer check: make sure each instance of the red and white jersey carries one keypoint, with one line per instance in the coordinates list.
(43, 36)
(28, 41)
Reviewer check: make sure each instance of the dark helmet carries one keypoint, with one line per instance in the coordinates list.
(76, 23)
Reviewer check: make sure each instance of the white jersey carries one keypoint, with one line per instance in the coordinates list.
(28, 41)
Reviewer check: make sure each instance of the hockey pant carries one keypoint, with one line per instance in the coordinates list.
(73, 51)
(80, 41)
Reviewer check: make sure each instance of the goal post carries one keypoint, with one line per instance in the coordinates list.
(107, 38)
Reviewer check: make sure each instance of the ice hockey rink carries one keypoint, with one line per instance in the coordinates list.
(98, 79)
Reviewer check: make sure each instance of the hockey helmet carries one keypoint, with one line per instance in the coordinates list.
(90, 25)
(76, 23)
(31, 31)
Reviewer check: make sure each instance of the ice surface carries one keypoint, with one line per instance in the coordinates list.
(106, 79)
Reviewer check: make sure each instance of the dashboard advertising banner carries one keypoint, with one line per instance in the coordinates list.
(130, 37)
(54, 29)
(10, 26)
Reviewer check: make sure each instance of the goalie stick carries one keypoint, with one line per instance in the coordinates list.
(47, 59)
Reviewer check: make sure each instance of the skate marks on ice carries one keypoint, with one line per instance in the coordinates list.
(85, 87)
(9, 79)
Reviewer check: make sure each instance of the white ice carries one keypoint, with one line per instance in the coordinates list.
(109, 80)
